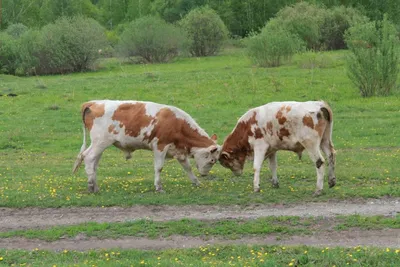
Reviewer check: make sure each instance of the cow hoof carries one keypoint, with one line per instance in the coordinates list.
(317, 193)
(93, 188)
(256, 190)
(332, 182)
(160, 191)
(197, 184)
(275, 185)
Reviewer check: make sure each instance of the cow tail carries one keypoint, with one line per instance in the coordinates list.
(80, 156)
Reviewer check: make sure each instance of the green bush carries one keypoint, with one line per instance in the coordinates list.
(273, 46)
(304, 20)
(16, 30)
(68, 45)
(373, 62)
(152, 39)
(206, 31)
(335, 22)
(8, 53)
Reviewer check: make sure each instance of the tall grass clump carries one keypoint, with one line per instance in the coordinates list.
(373, 61)
(273, 46)
(206, 31)
(152, 39)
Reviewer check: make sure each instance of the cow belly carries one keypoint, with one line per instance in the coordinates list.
(131, 144)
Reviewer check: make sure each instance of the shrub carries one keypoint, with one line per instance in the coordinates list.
(305, 20)
(151, 38)
(68, 45)
(16, 30)
(335, 22)
(8, 53)
(373, 62)
(272, 46)
(206, 31)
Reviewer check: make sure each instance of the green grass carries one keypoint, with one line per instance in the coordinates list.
(230, 229)
(40, 133)
(208, 256)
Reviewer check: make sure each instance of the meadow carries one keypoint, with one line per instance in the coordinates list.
(41, 134)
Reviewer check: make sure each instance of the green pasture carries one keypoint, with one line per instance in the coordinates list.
(243, 255)
(40, 133)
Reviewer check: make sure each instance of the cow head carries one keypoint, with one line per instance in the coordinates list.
(206, 157)
(233, 161)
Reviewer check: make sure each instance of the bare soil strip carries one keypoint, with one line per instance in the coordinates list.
(378, 238)
(28, 218)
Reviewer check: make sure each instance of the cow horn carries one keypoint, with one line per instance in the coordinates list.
(225, 154)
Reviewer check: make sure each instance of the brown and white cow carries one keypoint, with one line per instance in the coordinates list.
(133, 125)
(293, 126)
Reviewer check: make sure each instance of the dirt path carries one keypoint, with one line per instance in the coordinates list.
(13, 219)
(382, 238)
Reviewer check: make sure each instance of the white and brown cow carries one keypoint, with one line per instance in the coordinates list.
(132, 125)
(293, 126)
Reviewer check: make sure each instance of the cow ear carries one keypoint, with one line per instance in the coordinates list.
(213, 149)
(225, 155)
(214, 137)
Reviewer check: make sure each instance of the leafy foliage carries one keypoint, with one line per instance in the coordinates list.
(273, 45)
(8, 53)
(373, 62)
(152, 39)
(206, 31)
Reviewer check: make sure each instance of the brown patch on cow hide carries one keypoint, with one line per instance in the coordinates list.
(170, 129)
(288, 108)
(258, 134)
(238, 141)
(269, 128)
(279, 116)
(91, 111)
(308, 121)
(133, 117)
(283, 132)
(111, 129)
(320, 126)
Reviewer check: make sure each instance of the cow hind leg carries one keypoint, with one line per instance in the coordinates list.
(330, 153)
(316, 156)
(92, 157)
(273, 164)
(186, 166)
(159, 159)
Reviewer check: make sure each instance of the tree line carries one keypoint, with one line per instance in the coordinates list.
(240, 16)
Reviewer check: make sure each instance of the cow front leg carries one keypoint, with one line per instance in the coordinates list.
(259, 156)
(273, 164)
(186, 166)
(159, 159)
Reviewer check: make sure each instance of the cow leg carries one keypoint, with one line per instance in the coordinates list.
(159, 159)
(330, 153)
(186, 166)
(259, 155)
(92, 157)
(272, 166)
(317, 158)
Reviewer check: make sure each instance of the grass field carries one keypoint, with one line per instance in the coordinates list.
(40, 133)
(209, 256)
(40, 136)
